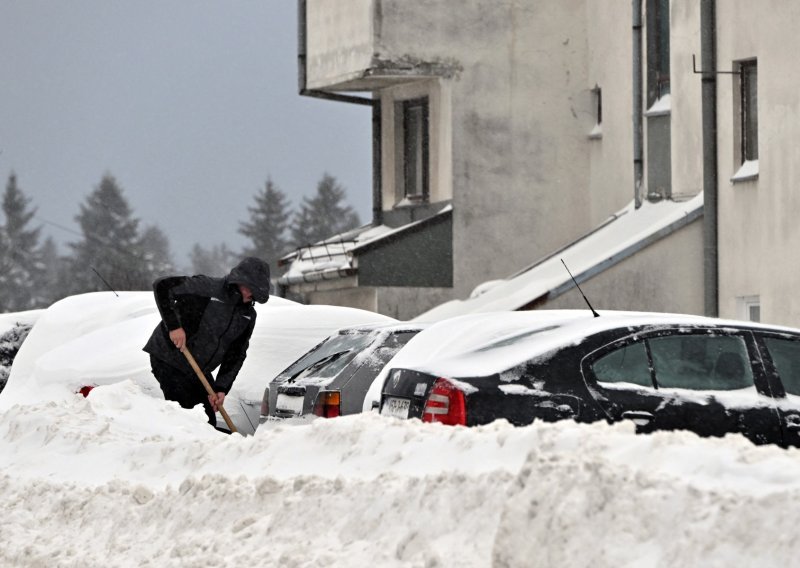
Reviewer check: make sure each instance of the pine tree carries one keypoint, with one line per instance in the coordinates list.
(266, 229)
(217, 261)
(154, 245)
(110, 249)
(54, 273)
(20, 263)
(324, 215)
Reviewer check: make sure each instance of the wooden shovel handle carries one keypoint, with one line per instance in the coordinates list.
(210, 391)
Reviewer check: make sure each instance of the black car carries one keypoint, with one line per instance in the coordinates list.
(332, 378)
(663, 372)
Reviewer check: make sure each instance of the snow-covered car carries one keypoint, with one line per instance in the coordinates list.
(282, 335)
(95, 339)
(332, 378)
(664, 372)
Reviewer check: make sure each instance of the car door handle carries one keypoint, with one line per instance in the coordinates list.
(639, 417)
(792, 422)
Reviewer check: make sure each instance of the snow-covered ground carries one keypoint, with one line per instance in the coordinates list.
(124, 478)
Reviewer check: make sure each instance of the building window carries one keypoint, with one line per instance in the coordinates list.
(657, 50)
(413, 142)
(597, 103)
(749, 112)
(749, 308)
(746, 109)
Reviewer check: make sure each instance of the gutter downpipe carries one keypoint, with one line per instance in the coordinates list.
(638, 112)
(377, 196)
(708, 58)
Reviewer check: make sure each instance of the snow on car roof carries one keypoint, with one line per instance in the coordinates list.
(485, 343)
(97, 339)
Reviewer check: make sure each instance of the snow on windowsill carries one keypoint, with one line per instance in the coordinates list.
(661, 107)
(597, 132)
(748, 172)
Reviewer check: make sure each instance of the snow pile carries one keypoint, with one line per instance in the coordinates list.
(125, 478)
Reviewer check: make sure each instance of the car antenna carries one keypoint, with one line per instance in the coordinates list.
(104, 281)
(579, 289)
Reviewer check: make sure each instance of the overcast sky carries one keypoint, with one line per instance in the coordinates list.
(189, 104)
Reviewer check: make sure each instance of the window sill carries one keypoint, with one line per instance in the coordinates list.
(412, 201)
(597, 132)
(747, 172)
(662, 107)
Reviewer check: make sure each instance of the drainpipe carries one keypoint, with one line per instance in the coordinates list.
(377, 196)
(708, 58)
(638, 112)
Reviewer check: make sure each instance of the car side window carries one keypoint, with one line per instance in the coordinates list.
(785, 355)
(627, 364)
(701, 362)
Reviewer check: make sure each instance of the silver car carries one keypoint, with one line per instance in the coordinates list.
(332, 378)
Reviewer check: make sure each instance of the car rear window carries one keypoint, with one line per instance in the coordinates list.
(701, 362)
(785, 355)
(329, 357)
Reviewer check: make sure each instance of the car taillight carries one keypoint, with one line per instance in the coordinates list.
(265, 404)
(445, 404)
(85, 390)
(329, 404)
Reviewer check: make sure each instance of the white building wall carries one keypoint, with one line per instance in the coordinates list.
(609, 32)
(520, 120)
(759, 232)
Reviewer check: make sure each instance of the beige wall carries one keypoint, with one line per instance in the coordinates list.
(759, 231)
(665, 277)
(610, 63)
(520, 119)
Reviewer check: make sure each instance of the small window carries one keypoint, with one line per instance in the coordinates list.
(749, 308)
(701, 362)
(626, 365)
(658, 29)
(785, 355)
(597, 102)
(749, 110)
(413, 142)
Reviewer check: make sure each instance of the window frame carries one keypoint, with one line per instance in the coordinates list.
(658, 50)
(748, 110)
(413, 135)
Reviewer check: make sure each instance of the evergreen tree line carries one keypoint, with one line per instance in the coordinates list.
(115, 251)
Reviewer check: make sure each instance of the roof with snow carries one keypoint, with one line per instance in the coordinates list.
(333, 257)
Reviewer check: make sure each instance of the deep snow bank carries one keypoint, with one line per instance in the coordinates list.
(123, 479)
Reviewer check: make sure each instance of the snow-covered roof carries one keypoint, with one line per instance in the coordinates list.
(328, 259)
(625, 233)
(333, 257)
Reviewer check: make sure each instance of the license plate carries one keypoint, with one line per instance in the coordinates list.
(396, 407)
(289, 403)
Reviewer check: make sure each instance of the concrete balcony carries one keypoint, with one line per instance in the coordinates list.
(364, 45)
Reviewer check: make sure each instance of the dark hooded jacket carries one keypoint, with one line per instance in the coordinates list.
(218, 324)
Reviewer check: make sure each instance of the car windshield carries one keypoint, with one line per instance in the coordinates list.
(329, 357)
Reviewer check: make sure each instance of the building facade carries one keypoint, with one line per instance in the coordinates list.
(505, 132)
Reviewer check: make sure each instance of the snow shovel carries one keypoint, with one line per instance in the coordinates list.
(210, 391)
